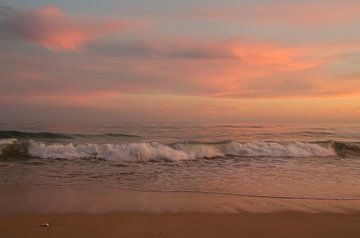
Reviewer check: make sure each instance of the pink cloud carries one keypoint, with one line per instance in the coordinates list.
(53, 29)
(255, 70)
(237, 68)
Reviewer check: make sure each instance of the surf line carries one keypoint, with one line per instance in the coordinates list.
(243, 195)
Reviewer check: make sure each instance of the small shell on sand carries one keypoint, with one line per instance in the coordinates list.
(45, 225)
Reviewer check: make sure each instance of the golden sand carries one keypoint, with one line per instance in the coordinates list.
(248, 225)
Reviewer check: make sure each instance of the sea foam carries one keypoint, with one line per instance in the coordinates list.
(7, 141)
(137, 152)
(274, 149)
(132, 152)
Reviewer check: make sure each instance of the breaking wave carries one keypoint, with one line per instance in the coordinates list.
(7, 141)
(142, 152)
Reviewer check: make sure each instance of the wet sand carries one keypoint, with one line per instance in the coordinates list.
(284, 224)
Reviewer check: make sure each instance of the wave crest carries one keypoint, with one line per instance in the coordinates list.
(140, 152)
(133, 152)
(57, 136)
(7, 141)
(274, 149)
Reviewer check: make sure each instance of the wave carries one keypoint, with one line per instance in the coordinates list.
(344, 148)
(7, 141)
(11, 149)
(53, 136)
(133, 152)
(142, 152)
(34, 135)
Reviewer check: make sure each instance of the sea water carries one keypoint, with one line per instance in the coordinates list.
(119, 163)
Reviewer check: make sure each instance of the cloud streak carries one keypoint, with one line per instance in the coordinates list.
(317, 12)
(309, 13)
(52, 28)
(163, 49)
(236, 68)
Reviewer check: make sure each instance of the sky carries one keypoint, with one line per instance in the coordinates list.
(166, 60)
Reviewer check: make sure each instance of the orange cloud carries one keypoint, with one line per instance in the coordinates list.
(53, 29)
(286, 58)
(253, 70)
(232, 69)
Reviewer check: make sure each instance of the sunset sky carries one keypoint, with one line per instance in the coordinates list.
(167, 60)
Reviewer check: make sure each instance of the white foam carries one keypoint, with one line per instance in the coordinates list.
(7, 141)
(126, 152)
(273, 149)
(200, 151)
(135, 152)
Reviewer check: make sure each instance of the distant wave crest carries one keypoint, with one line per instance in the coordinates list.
(53, 136)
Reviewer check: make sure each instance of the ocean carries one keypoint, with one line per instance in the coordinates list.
(40, 162)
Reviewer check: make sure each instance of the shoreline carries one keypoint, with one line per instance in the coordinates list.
(123, 224)
(101, 201)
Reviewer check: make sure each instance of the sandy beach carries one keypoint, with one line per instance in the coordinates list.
(287, 224)
(179, 118)
(106, 213)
